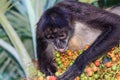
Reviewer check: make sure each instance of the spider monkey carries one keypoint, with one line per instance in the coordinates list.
(72, 24)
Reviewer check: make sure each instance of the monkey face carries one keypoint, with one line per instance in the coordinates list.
(59, 38)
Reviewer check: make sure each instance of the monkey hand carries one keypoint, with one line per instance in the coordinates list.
(48, 69)
(71, 73)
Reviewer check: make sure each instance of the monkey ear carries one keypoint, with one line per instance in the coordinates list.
(69, 0)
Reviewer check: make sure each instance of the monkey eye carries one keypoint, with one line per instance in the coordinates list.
(62, 35)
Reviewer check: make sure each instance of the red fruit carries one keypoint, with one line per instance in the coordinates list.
(77, 78)
(41, 78)
(117, 77)
(51, 78)
(111, 54)
(95, 69)
(88, 69)
(108, 64)
(69, 53)
(119, 55)
(89, 73)
(97, 63)
(114, 59)
(86, 47)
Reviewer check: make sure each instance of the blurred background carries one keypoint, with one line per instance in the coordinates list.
(18, 19)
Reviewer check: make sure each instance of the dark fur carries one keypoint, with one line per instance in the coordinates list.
(67, 13)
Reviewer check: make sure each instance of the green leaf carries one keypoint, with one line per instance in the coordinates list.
(87, 1)
(4, 4)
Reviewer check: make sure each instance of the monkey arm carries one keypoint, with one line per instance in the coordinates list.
(45, 57)
(109, 38)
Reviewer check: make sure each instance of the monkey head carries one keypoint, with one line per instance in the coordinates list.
(56, 28)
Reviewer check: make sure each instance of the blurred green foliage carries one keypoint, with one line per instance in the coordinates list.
(19, 20)
(88, 1)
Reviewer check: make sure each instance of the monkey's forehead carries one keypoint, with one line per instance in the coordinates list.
(53, 19)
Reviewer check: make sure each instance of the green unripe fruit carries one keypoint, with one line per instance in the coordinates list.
(40, 74)
(58, 59)
(85, 78)
(61, 66)
(71, 63)
(114, 68)
(59, 62)
(90, 78)
(96, 76)
(80, 51)
(82, 75)
(57, 74)
(57, 54)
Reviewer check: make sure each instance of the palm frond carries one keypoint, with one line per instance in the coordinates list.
(23, 54)
(4, 5)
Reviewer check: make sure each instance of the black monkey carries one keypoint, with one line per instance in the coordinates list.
(72, 24)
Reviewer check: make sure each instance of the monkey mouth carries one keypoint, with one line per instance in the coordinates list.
(61, 49)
